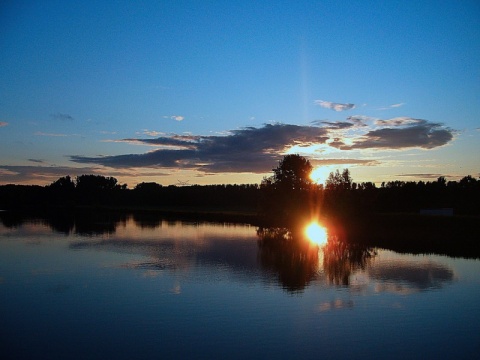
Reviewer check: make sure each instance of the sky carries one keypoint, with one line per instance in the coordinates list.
(217, 92)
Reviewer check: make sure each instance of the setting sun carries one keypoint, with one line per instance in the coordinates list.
(316, 234)
(319, 174)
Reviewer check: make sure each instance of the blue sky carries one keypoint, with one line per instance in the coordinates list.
(218, 91)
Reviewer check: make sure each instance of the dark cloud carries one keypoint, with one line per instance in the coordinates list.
(421, 134)
(245, 150)
(359, 120)
(399, 121)
(62, 117)
(39, 161)
(256, 150)
(334, 106)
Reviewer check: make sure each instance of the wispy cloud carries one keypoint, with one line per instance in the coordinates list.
(62, 117)
(393, 106)
(425, 176)
(3, 123)
(39, 173)
(44, 173)
(40, 133)
(337, 161)
(39, 161)
(153, 133)
(334, 106)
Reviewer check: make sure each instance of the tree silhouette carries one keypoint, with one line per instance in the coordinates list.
(293, 173)
(63, 184)
(289, 194)
(339, 181)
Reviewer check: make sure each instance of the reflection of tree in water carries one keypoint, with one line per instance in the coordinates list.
(296, 260)
(148, 220)
(99, 223)
(79, 222)
(341, 259)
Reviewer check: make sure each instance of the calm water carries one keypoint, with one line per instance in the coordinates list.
(136, 288)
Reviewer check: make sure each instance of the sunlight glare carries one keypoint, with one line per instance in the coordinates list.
(316, 234)
(319, 174)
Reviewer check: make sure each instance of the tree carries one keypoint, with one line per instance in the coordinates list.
(293, 172)
(339, 181)
(64, 184)
(290, 194)
(95, 183)
(339, 192)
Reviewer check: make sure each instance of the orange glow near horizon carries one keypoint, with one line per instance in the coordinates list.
(316, 233)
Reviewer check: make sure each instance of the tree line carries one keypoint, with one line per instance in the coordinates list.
(288, 193)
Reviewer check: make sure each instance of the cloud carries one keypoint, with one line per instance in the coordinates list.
(425, 176)
(325, 162)
(257, 149)
(360, 120)
(404, 133)
(334, 106)
(337, 125)
(153, 133)
(174, 117)
(393, 106)
(39, 133)
(62, 117)
(399, 121)
(3, 123)
(245, 150)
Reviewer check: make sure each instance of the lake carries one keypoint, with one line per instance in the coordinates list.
(129, 286)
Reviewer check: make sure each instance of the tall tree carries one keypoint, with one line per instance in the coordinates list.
(293, 172)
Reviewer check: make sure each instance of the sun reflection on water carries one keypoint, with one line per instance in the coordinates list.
(316, 233)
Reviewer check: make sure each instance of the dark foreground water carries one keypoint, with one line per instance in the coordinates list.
(134, 288)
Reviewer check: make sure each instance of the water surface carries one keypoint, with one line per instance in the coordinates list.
(133, 287)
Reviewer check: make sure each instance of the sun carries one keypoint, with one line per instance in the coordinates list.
(316, 233)
(319, 174)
